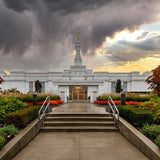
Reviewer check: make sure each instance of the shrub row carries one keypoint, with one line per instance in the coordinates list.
(137, 98)
(105, 97)
(29, 98)
(135, 115)
(21, 118)
(128, 98)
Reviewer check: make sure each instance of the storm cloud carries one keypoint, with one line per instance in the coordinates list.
(46, 29)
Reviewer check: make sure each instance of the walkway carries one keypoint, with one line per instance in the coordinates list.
(79, 107)
(79, 145)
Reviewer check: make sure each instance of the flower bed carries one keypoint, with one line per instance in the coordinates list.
(27, 97)
(118, 102)
(153, 106)
(55, 102)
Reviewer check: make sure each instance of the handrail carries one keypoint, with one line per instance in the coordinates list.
(43, 109)
(113, 108)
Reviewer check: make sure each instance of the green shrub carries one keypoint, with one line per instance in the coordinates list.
(2, 142)
(41, 98)
(26, 98)
(137, 98)
(29, 98)
(9, 130)
(157, 141)
(114, 97)
(135, 115)
(153, 106)
(22, 117)
(54, 97)
(128, 98)
(13, 104)
(151, 131)
(2, 113)
(8, 105)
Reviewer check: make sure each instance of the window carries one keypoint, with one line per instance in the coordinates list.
(113, 86)
(125, 86)
(43, 87)
(30, 86)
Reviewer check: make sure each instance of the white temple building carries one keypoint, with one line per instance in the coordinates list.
(76, 83)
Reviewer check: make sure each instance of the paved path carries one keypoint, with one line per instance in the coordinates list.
(79, 145)
(79, 107)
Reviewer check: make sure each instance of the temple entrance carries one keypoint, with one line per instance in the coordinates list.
(78, 93)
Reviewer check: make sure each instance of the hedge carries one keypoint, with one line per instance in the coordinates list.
(136, 116)
(137, 98)
(105, 97)
(128, 98)
(29, 98)
(22, 117)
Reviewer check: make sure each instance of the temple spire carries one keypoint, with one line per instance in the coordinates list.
(78, 59)
(78, 36)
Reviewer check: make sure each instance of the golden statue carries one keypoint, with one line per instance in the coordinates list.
(78, 35)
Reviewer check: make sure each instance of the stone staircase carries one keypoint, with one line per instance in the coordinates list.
(74, 122)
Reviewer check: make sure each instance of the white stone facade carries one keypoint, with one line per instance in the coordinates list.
(59, 82)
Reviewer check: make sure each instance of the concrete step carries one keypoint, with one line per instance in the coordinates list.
(77, 118)
(78, 114)
(78, 123)
(79, 129)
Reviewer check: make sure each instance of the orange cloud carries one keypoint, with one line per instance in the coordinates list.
(142, 65)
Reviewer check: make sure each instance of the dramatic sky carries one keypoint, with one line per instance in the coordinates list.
(116, 35)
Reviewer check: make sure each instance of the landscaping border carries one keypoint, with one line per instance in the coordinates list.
(146, 146)
(21, 140)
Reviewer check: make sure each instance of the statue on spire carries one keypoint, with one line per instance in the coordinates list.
(78, 36)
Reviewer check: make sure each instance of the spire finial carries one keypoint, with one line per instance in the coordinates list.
(78, 35)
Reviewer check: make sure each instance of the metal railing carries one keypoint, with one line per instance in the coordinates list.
(44, 108)
(113, 109)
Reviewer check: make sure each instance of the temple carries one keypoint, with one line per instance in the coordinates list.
(76, 83)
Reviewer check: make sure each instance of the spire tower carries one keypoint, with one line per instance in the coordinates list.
(78, 59)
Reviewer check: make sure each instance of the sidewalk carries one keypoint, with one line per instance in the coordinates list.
(80, 145)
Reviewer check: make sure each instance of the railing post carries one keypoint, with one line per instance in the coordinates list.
(123, 99)
(34, 99)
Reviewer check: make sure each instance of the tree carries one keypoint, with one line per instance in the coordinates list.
(154, 80)
(1, 80)
(118, 86)
(38, 86)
